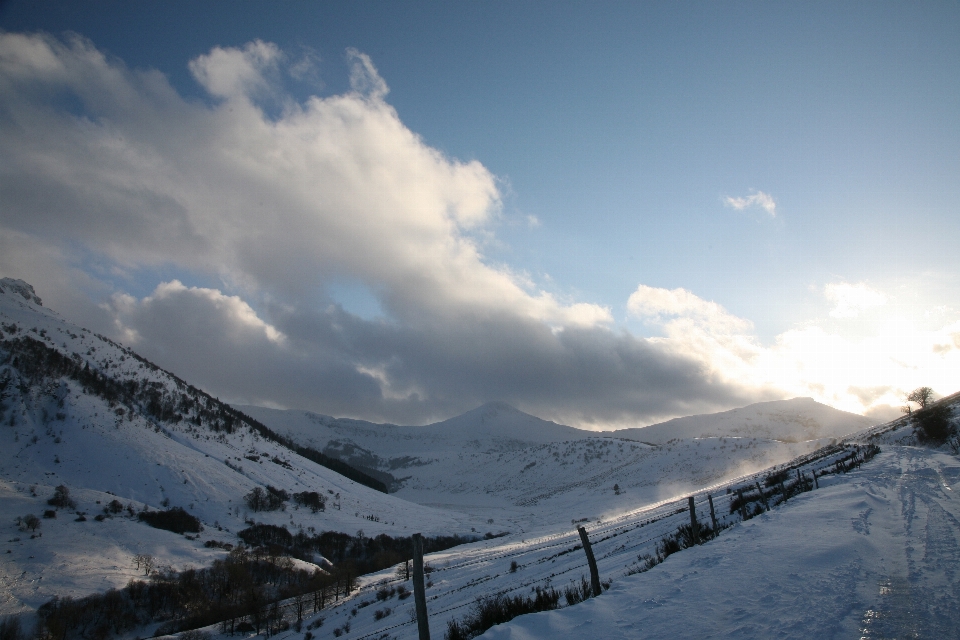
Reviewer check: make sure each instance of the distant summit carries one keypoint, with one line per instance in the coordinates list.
(12, 286)
(500, 421)
(794, 420)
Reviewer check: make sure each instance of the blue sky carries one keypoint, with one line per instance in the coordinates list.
(630, 149)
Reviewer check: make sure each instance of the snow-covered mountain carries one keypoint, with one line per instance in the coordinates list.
(498, 462)
(79, 410)
(795, 420)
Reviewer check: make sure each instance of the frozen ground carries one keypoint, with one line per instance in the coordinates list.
(873, 554)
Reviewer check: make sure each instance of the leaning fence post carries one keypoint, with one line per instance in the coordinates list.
(419, 593)
(743, 505)
(594, 574)
(763, 496)
(713, 515)
(816, 483)
(694, 534)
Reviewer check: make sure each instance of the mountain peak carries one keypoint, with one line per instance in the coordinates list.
(13, 286)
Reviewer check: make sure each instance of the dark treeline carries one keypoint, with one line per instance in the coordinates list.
(236, 592)
(362, 554)
(175, 519)
(240, 592)
(35, 361)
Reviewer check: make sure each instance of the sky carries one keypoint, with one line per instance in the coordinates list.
(605, 214)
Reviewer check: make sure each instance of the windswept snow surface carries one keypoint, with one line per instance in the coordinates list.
(496, 462)
(873, 554)
(795, 420)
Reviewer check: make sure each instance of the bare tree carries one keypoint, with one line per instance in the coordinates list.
(922, 396)
(30, 522)
(145, 562)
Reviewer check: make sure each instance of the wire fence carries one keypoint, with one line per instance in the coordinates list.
(621, 542)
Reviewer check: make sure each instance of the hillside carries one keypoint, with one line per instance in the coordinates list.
(872, 554)
(795, 420)
(79, 410)
(868, 551)
(496, 462)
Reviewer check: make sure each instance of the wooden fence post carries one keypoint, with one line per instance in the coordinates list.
(743, 505)
(594, 574)
(419, 593)
(694, 529)
(713, 515)
(763, 496)
(816, 483)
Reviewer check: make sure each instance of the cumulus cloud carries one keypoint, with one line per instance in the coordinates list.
(852, 299)
(756, 199)
(125, 179)
(238, 73)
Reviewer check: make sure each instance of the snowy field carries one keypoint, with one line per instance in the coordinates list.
(496, 462)
(873, 553)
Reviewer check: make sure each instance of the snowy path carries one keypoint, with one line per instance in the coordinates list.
(873, 554)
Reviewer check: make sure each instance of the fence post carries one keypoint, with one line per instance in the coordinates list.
(713, 515)
(816, 483)
(763, 496)
(694, 533)
(419, 593)
(743, 505)
(594, 574)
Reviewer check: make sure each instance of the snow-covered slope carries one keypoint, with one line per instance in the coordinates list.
(869, 553)
(793, 420)
(79, 410)
(496, 462)
(872, 554)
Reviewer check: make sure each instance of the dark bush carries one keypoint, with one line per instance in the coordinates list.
(265, 535)
(30, 522)
(271, 499)
(61, 498)
(217, 544)
(114, 506)
(933, 424)
(50, 514)
(10, 629)
(175, 519)
(499, 609)
(311, 499)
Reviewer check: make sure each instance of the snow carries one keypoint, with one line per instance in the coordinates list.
(873, 554)
(498, 463)
(795, 420)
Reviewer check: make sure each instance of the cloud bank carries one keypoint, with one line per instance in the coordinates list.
(113, 177)
(113, 184)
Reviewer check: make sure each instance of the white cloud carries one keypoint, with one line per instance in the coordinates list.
(852, 299)
(756, 199)
(863, 373)
(235, 73)
(336, 187)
